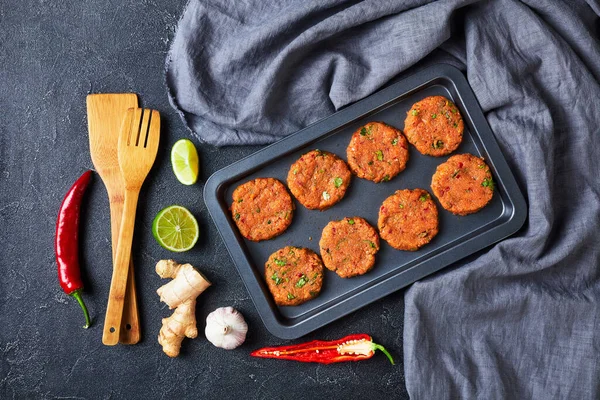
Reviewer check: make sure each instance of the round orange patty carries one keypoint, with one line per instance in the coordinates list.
(318, 179)
(294, 275)
(262, 209)
(463, 184)
(348, 247)
(434, 126)
(377, 152)
(408, 219)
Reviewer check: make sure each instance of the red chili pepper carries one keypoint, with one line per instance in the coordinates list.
(66, 244)
(350, 348)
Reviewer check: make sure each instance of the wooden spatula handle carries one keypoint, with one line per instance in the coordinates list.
(130, 322)
(118, 286)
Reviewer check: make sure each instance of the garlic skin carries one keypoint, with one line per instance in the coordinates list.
(226, 328)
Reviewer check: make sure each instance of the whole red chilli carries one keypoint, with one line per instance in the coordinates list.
(66, 244)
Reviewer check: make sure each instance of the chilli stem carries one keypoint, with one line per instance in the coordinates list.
(380, 347)
(77, 295)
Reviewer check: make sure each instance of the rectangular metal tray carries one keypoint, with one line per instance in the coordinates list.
(458, 236)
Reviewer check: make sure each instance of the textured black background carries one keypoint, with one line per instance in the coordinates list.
(52, 54)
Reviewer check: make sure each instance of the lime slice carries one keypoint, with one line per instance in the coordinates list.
(175, 229)
(184, 159)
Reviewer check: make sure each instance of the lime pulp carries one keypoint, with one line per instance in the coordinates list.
(175, 228)
(184, 159)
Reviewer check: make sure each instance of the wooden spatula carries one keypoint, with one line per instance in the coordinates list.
(105, 115)
(138, 145)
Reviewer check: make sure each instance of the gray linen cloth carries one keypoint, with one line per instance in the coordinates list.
(519, 320)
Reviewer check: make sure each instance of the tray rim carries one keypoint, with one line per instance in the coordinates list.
(314, 132)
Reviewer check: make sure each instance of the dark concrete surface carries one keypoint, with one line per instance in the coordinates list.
(52, 54)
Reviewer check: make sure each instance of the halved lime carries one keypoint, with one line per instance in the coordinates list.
(175, 228)
(184, 159)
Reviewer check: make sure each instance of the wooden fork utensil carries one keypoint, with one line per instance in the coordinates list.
(137, 148)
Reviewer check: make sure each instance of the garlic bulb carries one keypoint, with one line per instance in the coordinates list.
(226, 328)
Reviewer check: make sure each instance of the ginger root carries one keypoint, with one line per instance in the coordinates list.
(181, 294)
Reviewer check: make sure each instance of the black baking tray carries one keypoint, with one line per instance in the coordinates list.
(458, 236)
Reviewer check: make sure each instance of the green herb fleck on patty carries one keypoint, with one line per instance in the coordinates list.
(489, 183)
(386, 178)
(279, 262)
(424, 198)
(240, 200)
(395, 142)
(401, 205)
(338, 182)
(277, 279)
(302, 281)
(351, 221)
(414, 113)
(290, 296)
(237, 216)
(438, 144)
(366, 130)
(269, 222)
(433, 116)
(379, 155)
(370, 243)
